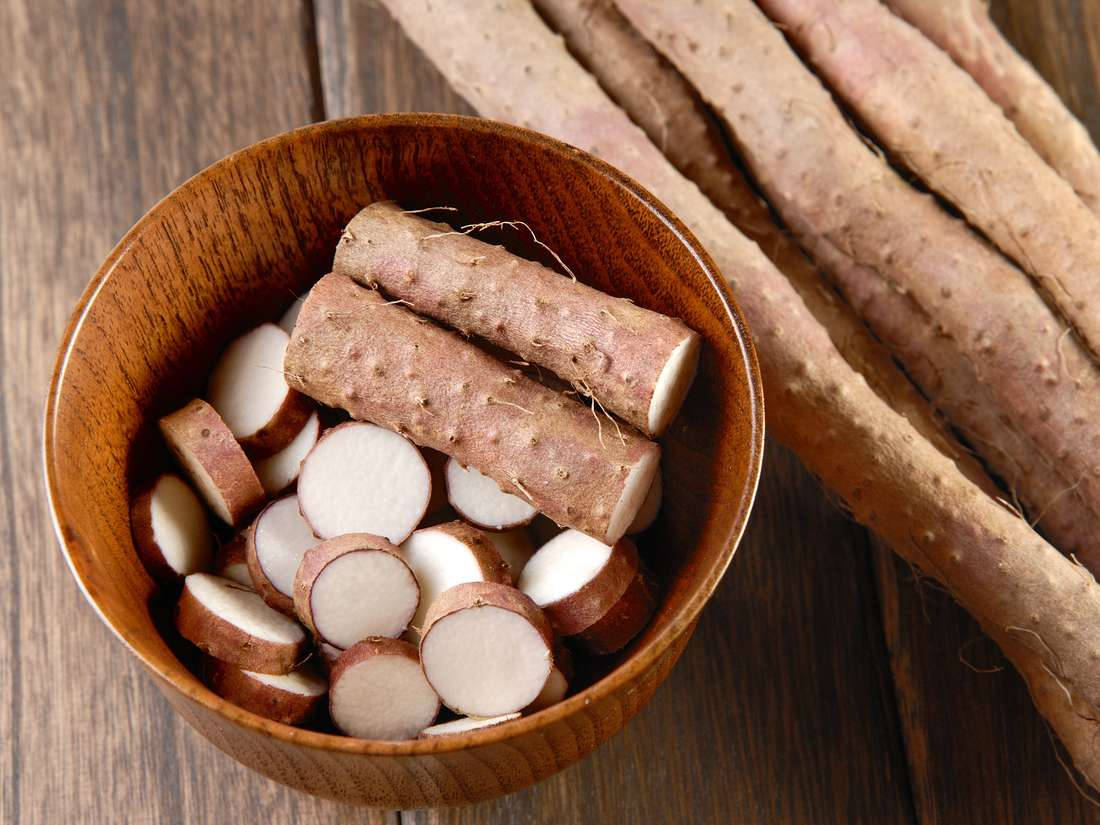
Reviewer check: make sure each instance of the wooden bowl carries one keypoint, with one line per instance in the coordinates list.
(233, 246)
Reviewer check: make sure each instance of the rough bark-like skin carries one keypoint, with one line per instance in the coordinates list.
(964, 30)
(985, 347)
(493, 568)
(197, 430)
(606, 347)
(663, 103)
(232, 683)
(223, 640)
(890, 478)
(380, 362)
(938, 121)
(625, 619)
(316, 559)
(590, 602)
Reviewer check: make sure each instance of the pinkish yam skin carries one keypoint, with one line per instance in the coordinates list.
(606, 347)
(663, 103)
(938, 122)
(353, 349)
(964, 29)
(978, 346)
(887, 475)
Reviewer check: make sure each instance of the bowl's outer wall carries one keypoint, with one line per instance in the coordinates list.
(232, 247)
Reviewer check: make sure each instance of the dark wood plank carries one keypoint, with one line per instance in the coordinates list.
(781, 709)
(105, 107)
(978, 751)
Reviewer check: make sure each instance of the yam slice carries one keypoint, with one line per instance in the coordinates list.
(232, 623)
(479, 500)
(170, 530)
(276, 542)
(353, 587)
(515, 548)
(279, 470)
(487, 649)
(377, 690)
(465, 724)
(215, 462)
(291, 698)
(590, 590)
(449, 554)
(360, 478)
(231, 561)
(250, 393)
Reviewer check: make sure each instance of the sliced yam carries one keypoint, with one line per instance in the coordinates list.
(231, 561)
(487, 649)
(353, 587)
(515, 548)
(557, 683)
(170, 530)
(232, 623)
(465, 725)
(649, 510)
(450, 554)
(215, 462)
(590, 590)
(291, 698)
(479, 500)
(279, 470)
(275, 544)
(248, 390)
(290, 317)
(360, 478)
(377, 690)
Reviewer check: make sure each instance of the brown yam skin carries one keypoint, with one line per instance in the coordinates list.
(493, 568)
(606, 347)
(222, 640)
(989, 352)
(281, 429)
(197, 430)
(233, 684)
(890, 478)
(260, 582)
(941, 124)
(480, 594)
(964, 30)
(663, 103)
(141, 526)
(584, 607)
(316, 559)
(625, 619)
(235, 551)
(353, 349)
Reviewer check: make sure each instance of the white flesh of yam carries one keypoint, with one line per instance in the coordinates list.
(361, 478)
(280, 470)
(649, 510)
(515, 548)
(170, 529)
(479, 500)
(290, 317)
(277, 540)
(466, 724)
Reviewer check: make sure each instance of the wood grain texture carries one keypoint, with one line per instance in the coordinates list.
(105, 107)
(750, 723)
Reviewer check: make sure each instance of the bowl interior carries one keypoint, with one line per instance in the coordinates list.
(237, 243)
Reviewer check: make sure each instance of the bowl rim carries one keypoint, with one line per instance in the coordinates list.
(633, 667)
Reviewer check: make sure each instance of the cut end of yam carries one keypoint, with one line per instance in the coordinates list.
(276, 542)
(487, 649)
(231, 561)
(590, 590)
(291, 698)
(673, 383)
(170, 530)
(650, 508)
(480, 501)
(279, 470)
(360, 478)
(635, 490)
(232, 623)
(215, 462)
(465, 725)
(353, 587)
(450, 554)
(248, 390)
(378, 691)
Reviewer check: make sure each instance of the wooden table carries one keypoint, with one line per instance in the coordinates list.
(824, 683)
